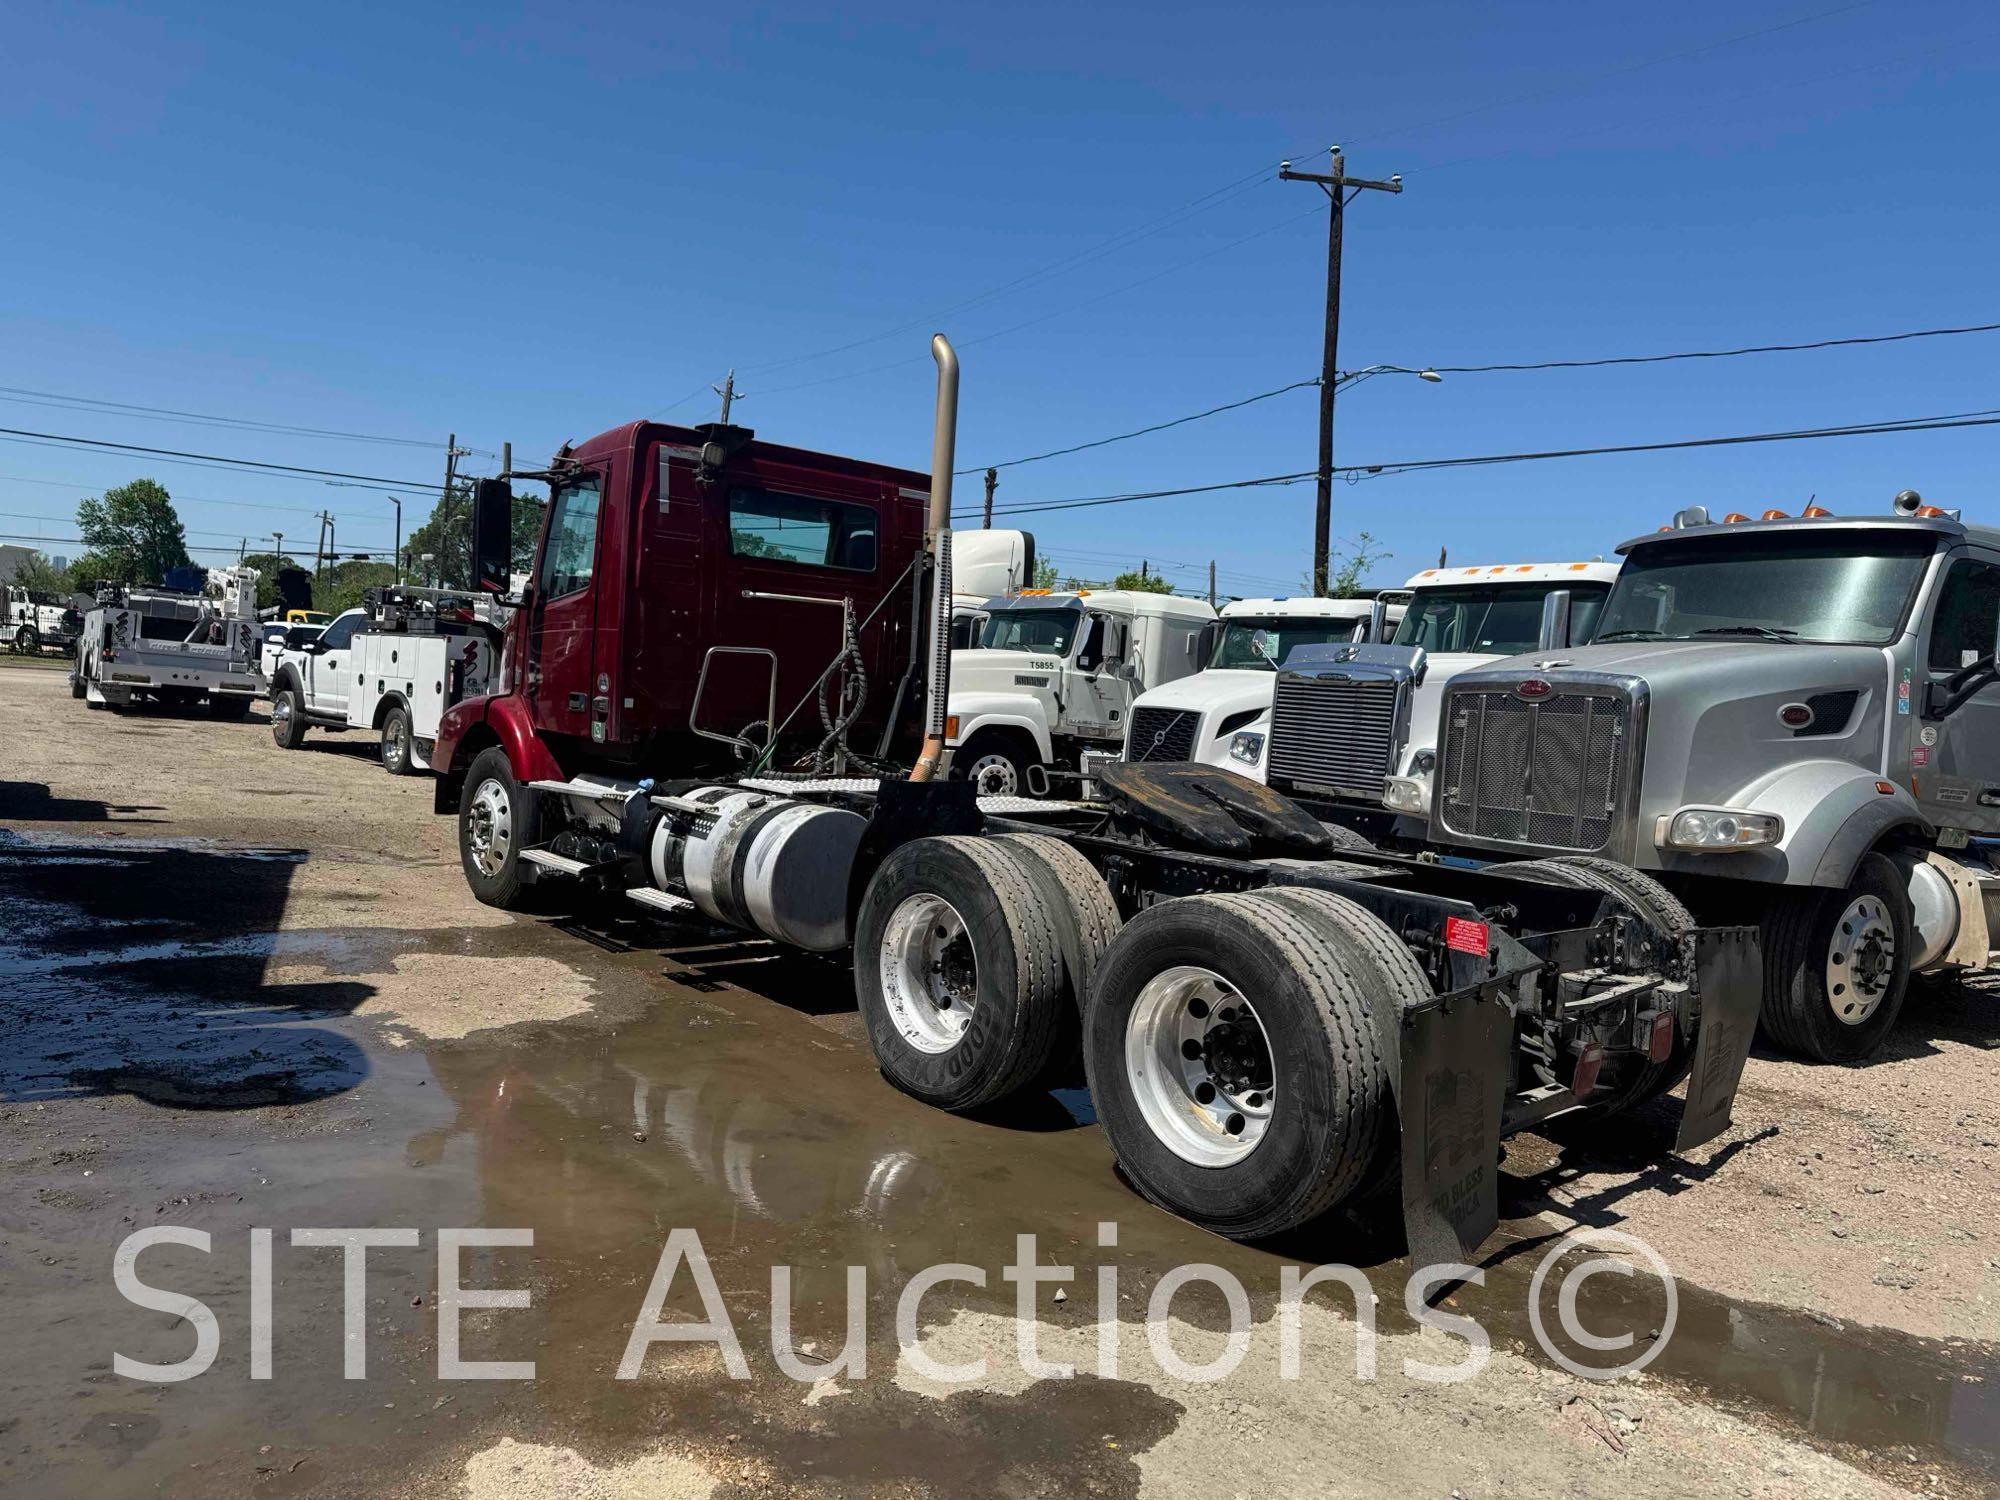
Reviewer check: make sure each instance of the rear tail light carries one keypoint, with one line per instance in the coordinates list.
(1589, 1063)
(1660, 1045)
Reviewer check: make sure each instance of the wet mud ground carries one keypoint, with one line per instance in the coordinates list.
(244, 989)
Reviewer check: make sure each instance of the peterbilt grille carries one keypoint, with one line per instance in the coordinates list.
(1331, 733)
(1164, 733)
(1550, 773)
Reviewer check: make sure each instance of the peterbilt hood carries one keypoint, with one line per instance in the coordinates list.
(1219, 690)
(1733, 666)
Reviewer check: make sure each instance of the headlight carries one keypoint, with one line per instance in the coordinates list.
(1403, 794)
(1248, 747)
(1718, 828)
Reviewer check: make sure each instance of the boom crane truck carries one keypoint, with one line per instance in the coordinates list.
(1271, 1027)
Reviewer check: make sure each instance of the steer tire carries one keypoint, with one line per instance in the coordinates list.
(1011, 940)
(396, 757)
(1662, 910)
(996, 762)
(1331, 1109)
(288, 718)
(1799, 928)
(505, 886)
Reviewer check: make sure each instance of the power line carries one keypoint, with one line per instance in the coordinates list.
(1296, 385)
(1660, 359)
(21, 395)
(179, 499)
(60, 439)
(1033, 507)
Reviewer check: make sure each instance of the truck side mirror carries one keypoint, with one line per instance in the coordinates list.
(492, 535)
(1555, 621)
(1202, 644)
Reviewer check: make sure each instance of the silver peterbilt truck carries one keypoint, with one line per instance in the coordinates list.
(1791, 721)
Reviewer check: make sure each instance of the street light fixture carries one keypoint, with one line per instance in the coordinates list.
(1343, 378)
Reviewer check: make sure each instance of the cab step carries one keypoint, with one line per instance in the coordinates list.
(661, 901)
(548, 859)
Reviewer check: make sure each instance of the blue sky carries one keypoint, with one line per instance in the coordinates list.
(531, 223)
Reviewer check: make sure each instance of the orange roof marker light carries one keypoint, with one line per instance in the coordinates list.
(1733, 517)
(1930, 512)
(1775, 515)
(1815, 513)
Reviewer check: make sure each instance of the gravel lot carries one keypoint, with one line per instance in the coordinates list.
(246, 989)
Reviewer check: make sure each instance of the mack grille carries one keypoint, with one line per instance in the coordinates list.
(1163, 733)
(1330, 733)
(1550, 773)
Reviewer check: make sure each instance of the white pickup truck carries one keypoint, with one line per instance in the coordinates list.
(1054, 676)
(392, 668)
(173, 648)
(1221, 716)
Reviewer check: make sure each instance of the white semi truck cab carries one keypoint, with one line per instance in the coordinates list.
(37, 621)
(1221, 715)
(1055, 675)
(1356, 727)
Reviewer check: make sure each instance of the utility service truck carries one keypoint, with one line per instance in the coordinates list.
(171, 647)
(1054, 676)
(1221, 716)
(37, 622)
(1793, 721)
(1271, 1027)
(391, 667)
(1354, 729)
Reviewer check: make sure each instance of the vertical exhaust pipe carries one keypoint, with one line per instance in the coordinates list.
(937, 538)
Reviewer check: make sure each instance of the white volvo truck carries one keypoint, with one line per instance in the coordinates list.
(1055, 675)
(173, 648)
(1221, 716)
(1354, 730)
(392, 668)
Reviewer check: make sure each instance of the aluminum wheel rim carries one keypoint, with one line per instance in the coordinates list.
(392, 749)
(491, 833)
(281, 711)
(1199, 1064)
(993, 775)
(1860, 961)
(930, 978)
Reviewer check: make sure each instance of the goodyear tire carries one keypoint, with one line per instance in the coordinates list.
(958, 971)
(396, 758)
(1233, 1064)
(497, 819)
(288, 719)
(1837, 965)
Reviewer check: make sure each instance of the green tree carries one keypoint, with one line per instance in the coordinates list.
(39, 576)
(1344, 581)
(1145, 581)
(342, 584)
(267, 565)
(447, 535)
(132, 534)
(1045, 573)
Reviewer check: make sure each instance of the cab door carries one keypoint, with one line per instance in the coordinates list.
(562, 626)
(1103, 691)
(1954, 760)
(328, 667)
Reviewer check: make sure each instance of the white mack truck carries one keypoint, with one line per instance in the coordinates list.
(1221, 715)
(1055, 675)
(1354, 729)
(1793, 721)
(174, 648)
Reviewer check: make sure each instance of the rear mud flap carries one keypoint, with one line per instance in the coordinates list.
(1729, 979)
(1450, 1088)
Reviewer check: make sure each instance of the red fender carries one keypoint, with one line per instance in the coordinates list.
(508, 717)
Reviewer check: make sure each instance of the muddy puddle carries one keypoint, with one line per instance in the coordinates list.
(156, 1074)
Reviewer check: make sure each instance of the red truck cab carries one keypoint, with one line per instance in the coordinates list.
(661, 545)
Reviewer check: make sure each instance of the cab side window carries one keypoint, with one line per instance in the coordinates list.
(336, 636)
(1968, 612)
(570, 552)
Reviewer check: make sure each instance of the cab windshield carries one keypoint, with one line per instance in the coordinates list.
(1051, 630)
(1251, 643)
(1494, 619)
(1841, 586)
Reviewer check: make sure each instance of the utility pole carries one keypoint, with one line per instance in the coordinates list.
(1336, 184)
(1211, 583)
(444, 500)
(727, 391)
(992, 481)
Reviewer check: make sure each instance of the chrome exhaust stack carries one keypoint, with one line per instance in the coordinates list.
(937, 537)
